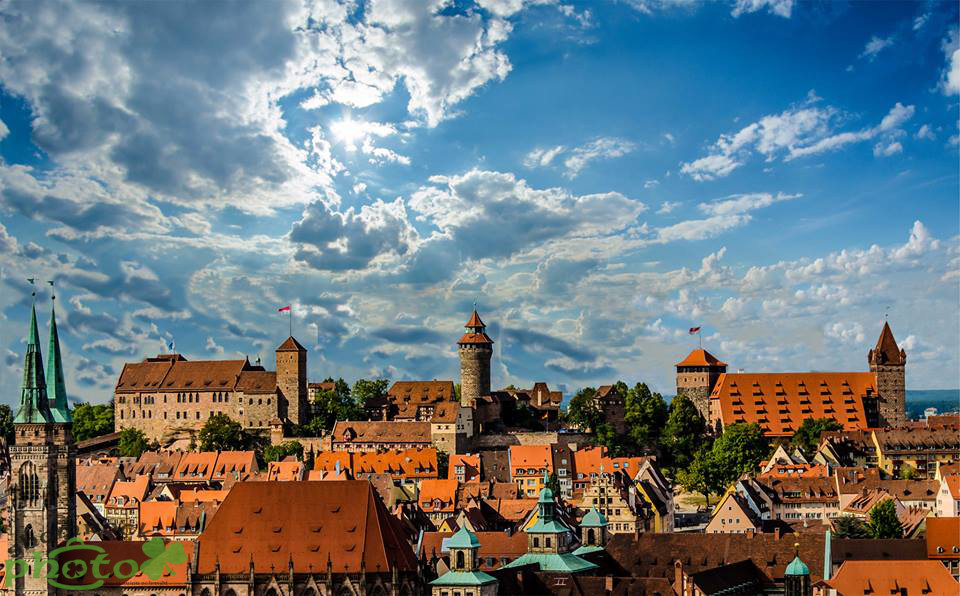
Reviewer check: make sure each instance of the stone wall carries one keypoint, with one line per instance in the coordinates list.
(891, 385)
(474, 371)
(292, 384)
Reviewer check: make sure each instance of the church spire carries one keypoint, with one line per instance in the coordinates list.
(887, 351)
(33, 391)
(56, 388)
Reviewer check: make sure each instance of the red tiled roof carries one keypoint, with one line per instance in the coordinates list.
(380, 431)
(527, 457)
(121, 551)
(257, 381)
(343, 522)
(943, 537)
(196, 466)
(474, 321)
(421, 392)
(291, 345)
(438, 495)
(887, 351)
(700, 357)
(893, 577)
(128, 494)
(780, 402)
(953, 485)
(238, 464)
(96, 480)
(475, 338)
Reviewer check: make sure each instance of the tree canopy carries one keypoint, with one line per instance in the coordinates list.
(583, 411)
(848, 526)
(91, 421)
(684, 433)
(132, 442)
(280, 451)
(883, 521)
(738, 450)
(221, 433)
(807, 437)
(645, 414)
(6, 423)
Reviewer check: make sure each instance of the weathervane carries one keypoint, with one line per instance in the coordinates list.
(33, 293)
(53, 290)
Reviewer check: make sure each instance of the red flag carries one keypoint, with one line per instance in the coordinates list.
(287, 307)
(694, 330)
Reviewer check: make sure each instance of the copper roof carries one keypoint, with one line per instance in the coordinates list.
(498, 545)
(780, 402)
(344, 523)
(700, 357)
(291, 345)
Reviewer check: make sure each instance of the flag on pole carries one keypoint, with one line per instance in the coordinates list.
(283, 308)
(694, 330)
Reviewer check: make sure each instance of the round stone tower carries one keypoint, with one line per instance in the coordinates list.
(475, 349)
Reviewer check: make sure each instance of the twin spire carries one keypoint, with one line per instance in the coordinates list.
(43, 398)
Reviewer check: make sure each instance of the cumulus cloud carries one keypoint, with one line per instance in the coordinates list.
(212, 347)
(950, 79)
(723, 215)
(925, 132)
(4, 131)
(781, 8)
(668, 206)
(794, 133)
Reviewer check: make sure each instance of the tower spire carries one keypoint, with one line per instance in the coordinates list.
(56, 388)
(33, 392)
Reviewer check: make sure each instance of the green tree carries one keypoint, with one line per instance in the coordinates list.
(848, 526)
(807, 437)
(646, 414)
(133, 442)
(6, 423)
(583, 411)
(365, 392)
(684, 433)
(282, 450)
(329, 406)
(443, 464)
(883, 521)
(553, 483)
(907, 472)
(221, 433)
(91, 421)
(738, 450)
(703, 474)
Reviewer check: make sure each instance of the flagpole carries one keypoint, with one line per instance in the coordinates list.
(291, 322)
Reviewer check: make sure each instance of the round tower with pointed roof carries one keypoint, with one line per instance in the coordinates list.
(889, 363)
(796, 579)
(476, 349)
(697, 375)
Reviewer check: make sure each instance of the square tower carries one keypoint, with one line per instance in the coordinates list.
(889, 363)
(292, 381)
(697, 375)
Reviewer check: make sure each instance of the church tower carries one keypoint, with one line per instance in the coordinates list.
(888, 362)
(41, 507)
(475, 349)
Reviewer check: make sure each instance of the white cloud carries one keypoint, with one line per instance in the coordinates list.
(577, 158)
(743, 203)
(668, 206)
(887, 149)
(212, 347)
(848, 333)
(920, 243)
(4, 131)
(875, 46)
(651, 183)
(793, 133)
(950, 79)
(781, 8)
(925, 132)
(920, 21)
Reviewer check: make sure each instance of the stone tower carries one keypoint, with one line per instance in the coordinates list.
(292, 380)
(697, 375)
(41, 507)
(888, 362)
(475, 349)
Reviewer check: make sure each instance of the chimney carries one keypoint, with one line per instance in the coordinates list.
(776, 533)
(608, 584)
(750, 533)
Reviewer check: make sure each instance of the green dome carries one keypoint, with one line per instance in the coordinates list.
(464, 538)
(797, 567)
(593, 519)
(546, 495)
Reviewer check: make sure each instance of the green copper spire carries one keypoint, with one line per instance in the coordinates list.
(33, 392)
(56, 389)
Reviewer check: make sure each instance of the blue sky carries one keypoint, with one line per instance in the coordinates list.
(598, 176)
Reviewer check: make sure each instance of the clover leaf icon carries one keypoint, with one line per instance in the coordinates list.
(161, 557)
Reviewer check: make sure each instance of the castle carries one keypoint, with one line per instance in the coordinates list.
(779, 402)
(247, 393)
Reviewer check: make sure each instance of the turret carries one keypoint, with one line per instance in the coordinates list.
(888, 362)
(476, 349)
(56, 388)
(697, 375)
(34, 408)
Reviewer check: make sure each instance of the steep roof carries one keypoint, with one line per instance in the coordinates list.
(340, 522)
(34, 408)
(196, 466)
(130, 493)
(475, 321)
(918, 439)
(943, 537)
(291, 345)
(887, 351)
(257, 381)
(421, 392)
(56, 387)
(780, 402)
(953, 485)
(180, 375)
(530, 457)
(700, 357)
(238, 464)
(96, 480)
(893, 577)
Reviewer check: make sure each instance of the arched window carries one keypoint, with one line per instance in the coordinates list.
(29, 484)
(591, 536)
(460, 560)
(29, 537)
(205, 592)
